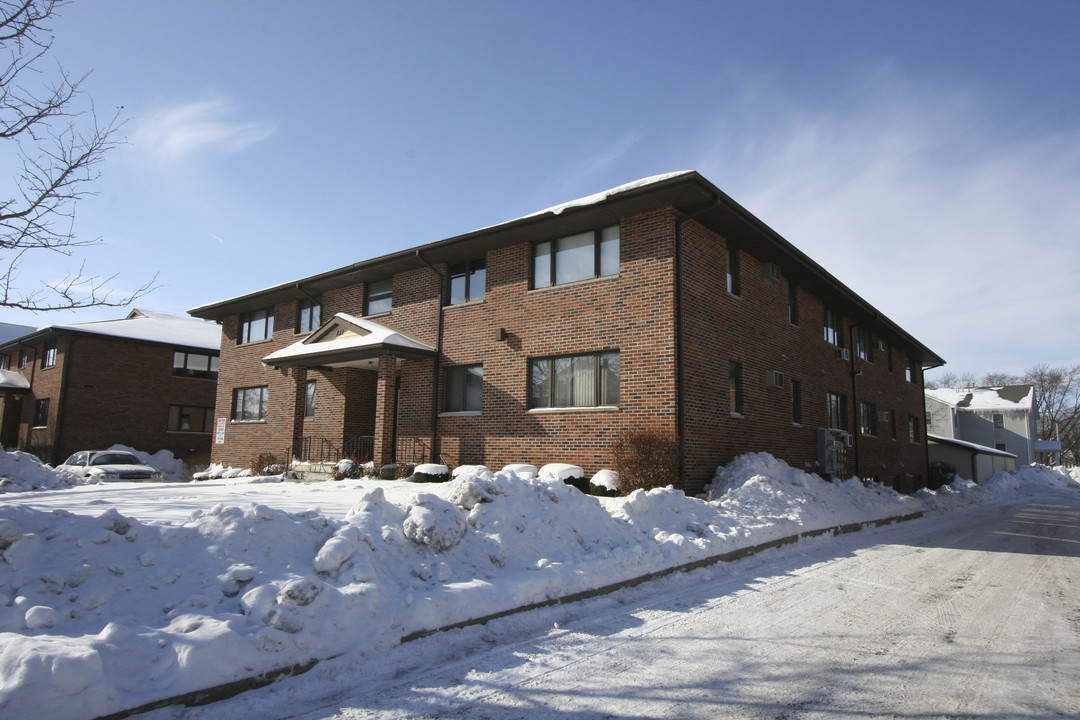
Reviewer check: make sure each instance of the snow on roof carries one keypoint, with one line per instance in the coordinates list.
(372, 335)
(13, 380)
(1005, 397)
(9, 332)
(969, 445)
(604, 195)
(154, 327)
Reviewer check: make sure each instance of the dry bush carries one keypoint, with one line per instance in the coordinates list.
(265, 463)
(646, 459)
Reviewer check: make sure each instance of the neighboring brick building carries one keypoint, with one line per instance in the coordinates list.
(661, 304)
(147, 381)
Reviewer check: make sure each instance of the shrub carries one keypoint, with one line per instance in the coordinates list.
(265, 464)
(646, 459)
(941, 473)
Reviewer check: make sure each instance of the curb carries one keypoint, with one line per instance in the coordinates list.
(235, 687)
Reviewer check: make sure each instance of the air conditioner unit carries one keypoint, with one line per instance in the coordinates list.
(843, 354)
(879, 345)
(774, 378)
(770, 271)
(847, 439)
(883, 416)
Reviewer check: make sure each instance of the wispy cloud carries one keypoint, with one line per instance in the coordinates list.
(962, 231)
(587, 174)
(197, 129)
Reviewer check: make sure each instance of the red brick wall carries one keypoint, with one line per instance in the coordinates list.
(634, 313)
(104, 391)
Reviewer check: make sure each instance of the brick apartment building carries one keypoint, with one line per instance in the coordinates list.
(661, 304)
(147, 381)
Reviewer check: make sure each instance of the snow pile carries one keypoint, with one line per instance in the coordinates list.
(21, 471)
(103, 613)
(1000, 485)
(172, 468)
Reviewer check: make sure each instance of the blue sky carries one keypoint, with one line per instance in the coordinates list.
(925, 153)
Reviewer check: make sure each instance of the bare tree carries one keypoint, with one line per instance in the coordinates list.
(56, 162)
(1057, 398)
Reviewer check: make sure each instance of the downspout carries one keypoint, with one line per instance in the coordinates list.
(856, 431)
(680, 339)
(30, 395)
(65, 372)
(435, 363)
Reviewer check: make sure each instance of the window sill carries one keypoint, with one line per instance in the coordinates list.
(254, 342)
(461, 413)
(602, 278)
(378, 314)
(186, 432)
(737, 415)
(247, 422)
(467, 303)
(557, 410)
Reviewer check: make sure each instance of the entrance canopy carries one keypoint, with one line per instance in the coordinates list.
(349, 341)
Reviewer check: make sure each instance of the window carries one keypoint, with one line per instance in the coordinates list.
(463, 389)
(256, 326)
(309, 399)
(796, 402)
(999, 421)
(735, 389)
(867, 418)
(41, 412)
(837, 411)
(892, 423)
(909, 370)
(249, 404)
(1001, 446)
(733, 270)
(3, 362)
(863, 346)
(308, 315)
(183, 418)
(48, 358)
(467, 281)
(380, 296)
(914, 433)
(793, 303)
(24, 357)
(197, 365)
(583, 256)
(574, 381)
(834, 328)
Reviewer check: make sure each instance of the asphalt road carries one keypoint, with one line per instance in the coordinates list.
(967, 614)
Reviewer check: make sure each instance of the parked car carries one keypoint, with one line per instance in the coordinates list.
(102, 465)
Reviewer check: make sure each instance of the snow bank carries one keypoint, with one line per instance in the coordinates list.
(104, 613)
(21, 471)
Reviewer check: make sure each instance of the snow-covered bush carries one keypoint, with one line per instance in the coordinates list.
(429, 472)
(646, 459)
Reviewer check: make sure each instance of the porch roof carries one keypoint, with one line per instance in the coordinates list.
(349, 341)
(14, 381)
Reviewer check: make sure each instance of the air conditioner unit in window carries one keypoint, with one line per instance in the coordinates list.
(883, 416)
(774, 378)
(847, 439)
(879, 345)
(843, 354)
(770, 271)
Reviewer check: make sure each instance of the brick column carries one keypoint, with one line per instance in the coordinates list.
(385, 411)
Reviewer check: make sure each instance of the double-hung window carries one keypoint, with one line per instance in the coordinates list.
(733, 270)
(308, 315)
(464, 388)
(793, 303)
(3, 362)
(48, 358)
(583, 256)
(574, 381)
(183, 418)
(256, 326)
(834, 328)
(41, 412)
(863, 346)
(249, 404)
(380, 296)
(837, 411)
(867, 418)
(196, 365)
(467, 281)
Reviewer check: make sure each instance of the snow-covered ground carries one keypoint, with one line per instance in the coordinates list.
(116, 595)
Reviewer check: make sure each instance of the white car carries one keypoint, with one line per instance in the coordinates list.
(99, 465)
